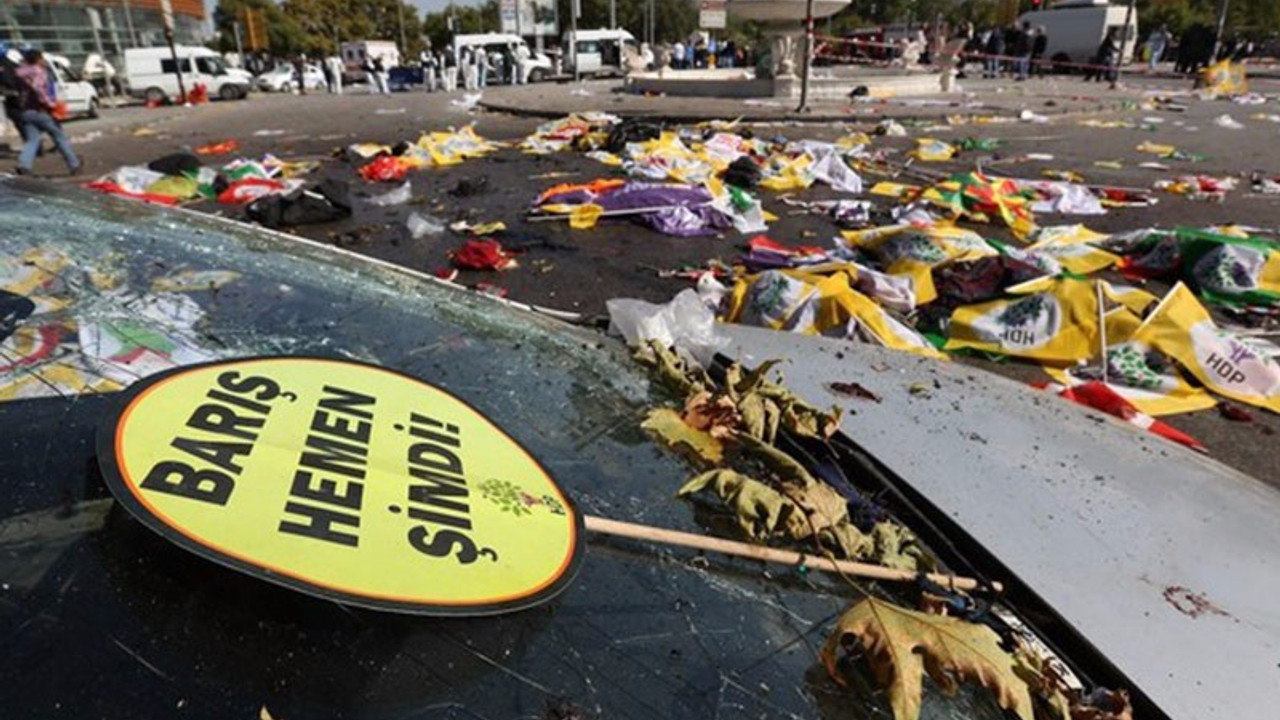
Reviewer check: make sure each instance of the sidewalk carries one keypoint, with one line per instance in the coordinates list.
(976, 97)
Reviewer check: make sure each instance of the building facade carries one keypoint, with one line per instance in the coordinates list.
(78, 28)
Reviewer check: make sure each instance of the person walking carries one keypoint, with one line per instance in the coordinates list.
(1038, 47)
(467, 66)
(1157, 41)
(1022, 41)
(36, 107)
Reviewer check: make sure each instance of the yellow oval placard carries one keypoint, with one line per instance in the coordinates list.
(342, 480)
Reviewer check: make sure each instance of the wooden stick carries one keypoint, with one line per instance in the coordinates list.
(768, 554)
(612, 213)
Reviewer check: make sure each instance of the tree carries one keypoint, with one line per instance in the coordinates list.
(466, 19)
(673, 19)
(325, 24)
(284, 36)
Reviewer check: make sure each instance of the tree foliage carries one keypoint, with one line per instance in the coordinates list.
(319, 26)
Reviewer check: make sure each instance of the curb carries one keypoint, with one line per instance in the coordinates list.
(685, 118)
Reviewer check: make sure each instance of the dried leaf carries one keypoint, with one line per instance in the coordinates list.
(673, 370)
(715, 414)
(673, 431)
(901, 645)
(853, 390)
(762, 512)
(1103, 704)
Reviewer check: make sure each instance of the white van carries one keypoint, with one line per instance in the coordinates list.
(536, 68)
(80, 96)
(355, 54)
(152, 74)
(1075, 29)
(599, 52)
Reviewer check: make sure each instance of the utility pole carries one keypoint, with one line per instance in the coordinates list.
(1124, 39)
(166, 12)
(1217, 34)
(575, 7)
(613, 14)
(404, 48)
(235, 30)
(808, 57)
(95, 22)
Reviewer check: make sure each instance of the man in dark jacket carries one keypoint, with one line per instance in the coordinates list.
(1022, 49)
(1038, 47)
(36, 116)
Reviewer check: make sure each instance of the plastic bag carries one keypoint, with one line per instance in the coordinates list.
(399, 196)
(685, 322)
(422, 225)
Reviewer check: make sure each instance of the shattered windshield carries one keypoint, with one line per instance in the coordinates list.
(103, 618)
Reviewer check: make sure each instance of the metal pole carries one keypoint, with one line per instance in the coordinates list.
(235, 30)
(1217, 35)
(404, 47)
(613, 14)
(95, 22)
(653, 22)
(1124, 39)
(128, 22)
(808, 57)
(575, 7)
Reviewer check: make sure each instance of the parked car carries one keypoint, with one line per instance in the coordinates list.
(80, 95)
(282, 79)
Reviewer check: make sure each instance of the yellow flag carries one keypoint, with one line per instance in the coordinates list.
(1137, 372)
(1227, 364)
(1054, 320)
(584, 217)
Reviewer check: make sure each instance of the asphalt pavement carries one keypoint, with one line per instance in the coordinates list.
(579, 270)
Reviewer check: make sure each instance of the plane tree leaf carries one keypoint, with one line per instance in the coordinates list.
(670, 427)
(902, 645)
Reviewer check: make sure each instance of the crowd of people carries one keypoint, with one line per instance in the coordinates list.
(706, 52)
(30, 103)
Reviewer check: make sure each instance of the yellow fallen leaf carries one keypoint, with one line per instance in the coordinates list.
(901, 645)
(675, 433)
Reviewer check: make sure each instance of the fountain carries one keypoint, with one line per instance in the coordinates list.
(783, 22)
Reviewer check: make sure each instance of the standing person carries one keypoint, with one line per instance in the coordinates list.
(35, 106)
(467, 63)
(1157, 41)
(1104, 59)
(1038, 47)
(335, 70)
(450, 70)
(328, 75)
(995, 49)
(481, 59)
(380, 75)
(429, 69)
(522, 63)
(300, 73)
(11, 88)
(677, 56)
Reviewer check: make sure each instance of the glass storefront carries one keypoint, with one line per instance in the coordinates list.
(66, 28)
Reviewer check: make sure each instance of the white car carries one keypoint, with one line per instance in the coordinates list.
(281, 79)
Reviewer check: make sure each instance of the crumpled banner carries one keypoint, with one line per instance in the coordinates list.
(1228, 364)
(136, 183)
(1048, 319)
(483, 254)
(1142, 375)
(249, 189)
(451, 147)
(675, 209)
(1224, 78)
(221, 148)
(811, 303)
(982, 198)
(556, 135)
(933, 150)
(385, 168)
(1226, 270)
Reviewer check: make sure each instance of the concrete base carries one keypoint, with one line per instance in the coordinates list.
(737, 83)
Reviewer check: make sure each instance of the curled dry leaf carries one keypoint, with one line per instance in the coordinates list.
(763, 512)
(901, 645)
(674, 432)
(715, 414)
